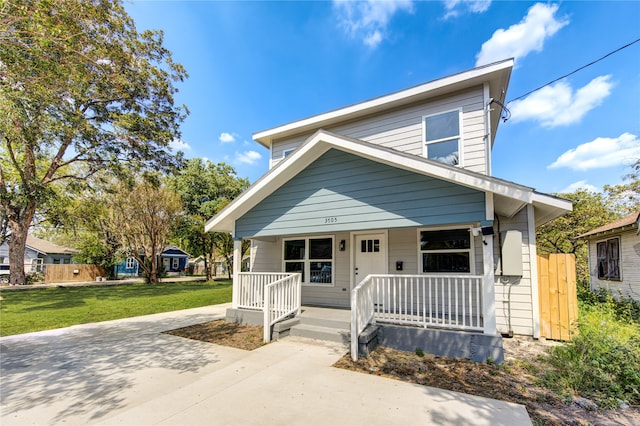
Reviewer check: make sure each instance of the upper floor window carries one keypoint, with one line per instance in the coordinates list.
(608, 253)
(442, 137)
(287, 152)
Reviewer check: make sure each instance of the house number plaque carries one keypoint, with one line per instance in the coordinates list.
(328, 220)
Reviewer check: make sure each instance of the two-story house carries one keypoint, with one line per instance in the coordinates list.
(388, 208)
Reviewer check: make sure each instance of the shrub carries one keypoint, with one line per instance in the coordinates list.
(602, 362)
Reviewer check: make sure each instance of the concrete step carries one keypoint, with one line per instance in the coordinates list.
(324, 322)
(321, 333)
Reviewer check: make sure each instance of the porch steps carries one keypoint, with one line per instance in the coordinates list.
(332, 325)
(318, 332)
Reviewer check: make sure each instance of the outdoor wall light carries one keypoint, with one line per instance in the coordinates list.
(342, 245)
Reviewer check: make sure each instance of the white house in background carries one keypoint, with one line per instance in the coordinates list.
(388, 208)
(37, 253)
(614, 256)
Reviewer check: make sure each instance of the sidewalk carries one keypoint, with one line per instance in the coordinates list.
(126, 372)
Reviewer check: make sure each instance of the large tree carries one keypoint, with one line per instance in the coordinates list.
(143, 227)
(205, 188)
(81, 90)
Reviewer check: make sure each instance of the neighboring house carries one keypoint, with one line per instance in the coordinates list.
(38, 253)
(394, 197)
(614, 256)
(173, 260)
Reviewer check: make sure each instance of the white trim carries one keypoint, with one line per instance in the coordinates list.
(473, 77)
(352, 255)
(533, 262)
(487, 128)
(322, 141)
(307, 262)
(425, 143)
(472, 254)
(488, 288)
(489, 207)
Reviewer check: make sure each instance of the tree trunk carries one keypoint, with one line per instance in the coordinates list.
(19, 223)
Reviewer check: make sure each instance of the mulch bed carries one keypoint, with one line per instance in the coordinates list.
(223, 333)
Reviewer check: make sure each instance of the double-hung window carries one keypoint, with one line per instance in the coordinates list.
(445, 251)
(175, 263)
(442, 137)
(608, 259)
(312, 257)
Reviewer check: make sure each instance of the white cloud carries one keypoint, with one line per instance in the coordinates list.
(558, 105)
(179, 145)
(457, 7)
(520, 39)
(227, 137)
(581, 184)
(601, 153)
(368, 19)
(248, 157)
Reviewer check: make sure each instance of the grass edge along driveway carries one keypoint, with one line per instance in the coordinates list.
(39, 309)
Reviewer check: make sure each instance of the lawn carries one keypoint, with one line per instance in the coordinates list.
(44, 309)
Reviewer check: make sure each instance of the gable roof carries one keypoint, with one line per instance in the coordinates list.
(509, 198)
(47, 247)
(631, 221)
(496, 74)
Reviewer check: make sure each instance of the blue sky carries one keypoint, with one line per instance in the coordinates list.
(256, 65)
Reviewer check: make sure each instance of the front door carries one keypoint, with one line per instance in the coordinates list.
(370, 256)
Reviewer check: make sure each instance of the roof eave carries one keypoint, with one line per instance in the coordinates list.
(497, 74)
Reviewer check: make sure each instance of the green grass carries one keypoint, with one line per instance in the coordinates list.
(24, 311)
(603, 361)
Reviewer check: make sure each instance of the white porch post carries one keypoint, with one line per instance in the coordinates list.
(237, 267)
(488, 287)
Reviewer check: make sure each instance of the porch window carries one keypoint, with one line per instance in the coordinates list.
(442, 137)
(312, 257)
(608, 259)
(175, 263)
(445, 251)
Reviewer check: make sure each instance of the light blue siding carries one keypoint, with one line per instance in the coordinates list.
(344, 192)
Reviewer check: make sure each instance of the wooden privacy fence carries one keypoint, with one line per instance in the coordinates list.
(557, 295)
(65, 273)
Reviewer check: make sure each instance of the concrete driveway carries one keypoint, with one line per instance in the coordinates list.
(126, 372)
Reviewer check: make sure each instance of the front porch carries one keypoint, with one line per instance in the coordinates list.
(440, 314)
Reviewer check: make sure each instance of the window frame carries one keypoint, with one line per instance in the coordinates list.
(425, 143)
(130, 263)
(471, 250)
(306, 261)
(287, 152)
(175, 263)
(606, 242)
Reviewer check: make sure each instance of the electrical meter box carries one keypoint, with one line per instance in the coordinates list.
(510, 262)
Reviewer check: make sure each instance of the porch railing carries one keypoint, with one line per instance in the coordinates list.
(448, 301)
(251, 287)
(281, 299)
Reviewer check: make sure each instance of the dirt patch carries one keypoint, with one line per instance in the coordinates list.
(224, 333)
(514, 381)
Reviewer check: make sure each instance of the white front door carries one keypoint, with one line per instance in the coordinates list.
(370, 256)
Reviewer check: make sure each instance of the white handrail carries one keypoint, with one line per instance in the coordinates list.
(362, 312)
(251, 288)
(281, 299)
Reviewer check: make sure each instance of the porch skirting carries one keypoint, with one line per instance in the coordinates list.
(457, 344)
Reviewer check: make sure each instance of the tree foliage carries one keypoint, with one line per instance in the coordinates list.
(143, 227)
(205, 188)
(80, 91)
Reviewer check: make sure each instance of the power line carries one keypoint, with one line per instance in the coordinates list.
(575, 71)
